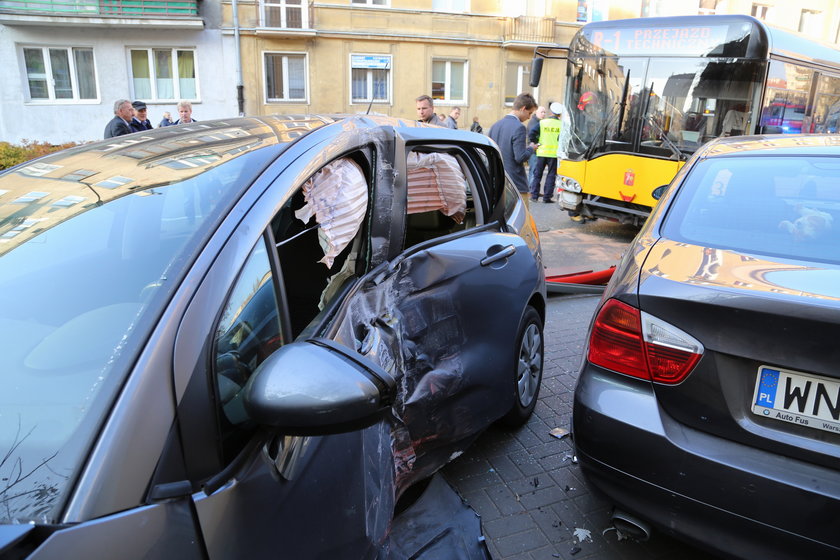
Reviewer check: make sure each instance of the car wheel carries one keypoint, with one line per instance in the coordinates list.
(528, 368)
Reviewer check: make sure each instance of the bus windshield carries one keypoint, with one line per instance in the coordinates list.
(658, 106)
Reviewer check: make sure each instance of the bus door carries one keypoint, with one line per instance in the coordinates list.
(786, 99)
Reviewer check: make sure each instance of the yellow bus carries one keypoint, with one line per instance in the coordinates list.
(644, 94)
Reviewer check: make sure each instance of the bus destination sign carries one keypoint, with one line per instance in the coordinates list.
(684, 40)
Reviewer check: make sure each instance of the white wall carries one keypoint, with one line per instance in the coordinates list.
(57, 122)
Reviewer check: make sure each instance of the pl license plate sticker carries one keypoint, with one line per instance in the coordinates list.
(798, 398)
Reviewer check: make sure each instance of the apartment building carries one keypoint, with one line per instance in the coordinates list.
(66, 62)
(352, 56)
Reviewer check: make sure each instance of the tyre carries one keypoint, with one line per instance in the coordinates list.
(528, 368)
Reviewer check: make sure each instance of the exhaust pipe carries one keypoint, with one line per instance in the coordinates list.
(630, 526)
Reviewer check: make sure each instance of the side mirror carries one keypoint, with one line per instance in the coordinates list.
(659, 191)
(536, 71)
(318, 387)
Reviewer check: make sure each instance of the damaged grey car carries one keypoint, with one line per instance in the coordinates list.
(250, 337)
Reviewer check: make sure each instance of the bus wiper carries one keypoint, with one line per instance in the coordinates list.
(623, 104)
(667, 141)
(602, 130)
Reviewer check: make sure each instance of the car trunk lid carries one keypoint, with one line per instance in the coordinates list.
(761, 322)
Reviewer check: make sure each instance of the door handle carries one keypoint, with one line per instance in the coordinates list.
(501, 254)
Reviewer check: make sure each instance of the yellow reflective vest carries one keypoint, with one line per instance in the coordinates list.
(549, 133)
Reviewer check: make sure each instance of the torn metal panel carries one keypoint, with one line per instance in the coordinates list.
(413, 329)
(438, 525)
(337, 196)
(436, 182)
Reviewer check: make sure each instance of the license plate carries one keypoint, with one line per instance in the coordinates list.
(798, 398)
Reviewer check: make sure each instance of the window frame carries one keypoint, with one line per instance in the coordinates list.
(446, 6)
(49, 77)
(809, 21)
(521, 84)
(285, 54)
(154, 97)
(760, 11)
(448, 100)
(282, 5)
(369, 80)
(233, 437)
(371, 3)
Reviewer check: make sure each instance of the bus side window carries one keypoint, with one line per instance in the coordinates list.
(826, 117)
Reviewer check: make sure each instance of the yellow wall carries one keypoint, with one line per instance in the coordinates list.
(413, 35)
(488, 37)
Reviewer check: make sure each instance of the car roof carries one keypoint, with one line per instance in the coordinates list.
(773, 144)
(41, 193)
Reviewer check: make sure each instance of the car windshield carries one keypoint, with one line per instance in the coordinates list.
(88, 260)
(781, 206)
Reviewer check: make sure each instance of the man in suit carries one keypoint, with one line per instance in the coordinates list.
(140, 121)
(123, 114)
(509, 134)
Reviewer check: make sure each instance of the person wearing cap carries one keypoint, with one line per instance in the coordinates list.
(546, 138)
(119, 125)
(139, 122)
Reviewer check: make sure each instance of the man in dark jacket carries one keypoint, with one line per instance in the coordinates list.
(534, 124)
(185, 113)
(509, 133)
(122, 116)
(426, 111)
(140, 122)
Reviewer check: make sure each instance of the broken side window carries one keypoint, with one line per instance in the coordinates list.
(318, 239)
(438, 197)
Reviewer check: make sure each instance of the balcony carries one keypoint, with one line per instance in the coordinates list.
(178, 14)
(529, 31)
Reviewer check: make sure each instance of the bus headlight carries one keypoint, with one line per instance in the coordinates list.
(568, 184)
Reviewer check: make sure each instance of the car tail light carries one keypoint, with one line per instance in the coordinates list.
(629, 341)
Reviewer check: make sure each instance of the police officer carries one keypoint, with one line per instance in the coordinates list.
(546, 137)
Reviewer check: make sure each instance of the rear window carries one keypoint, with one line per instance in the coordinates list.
(785, 207)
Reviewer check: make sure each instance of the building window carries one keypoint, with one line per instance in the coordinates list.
(708, 7)
(370, 77)
(449, 80)
(289, 14)
(55, 73)
(517, 76)
(759, 11)
(163, 74)
(285, 77)
(452, 6)
(370, 2)
(809, 22)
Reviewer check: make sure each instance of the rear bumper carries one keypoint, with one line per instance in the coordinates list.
(717, 494)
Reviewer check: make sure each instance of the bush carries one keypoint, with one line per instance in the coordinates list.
(11, 154)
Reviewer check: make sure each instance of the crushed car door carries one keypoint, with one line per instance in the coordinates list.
(444, 312)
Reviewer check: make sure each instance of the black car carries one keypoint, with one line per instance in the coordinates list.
(247, 338)
(709, 400)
